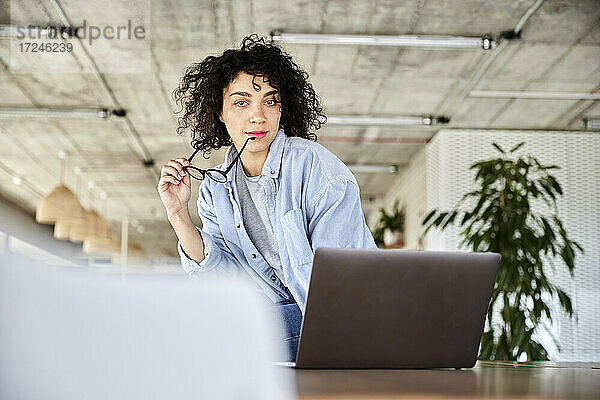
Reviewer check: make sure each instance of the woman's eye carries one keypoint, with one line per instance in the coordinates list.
(271, 102)
(239, 103)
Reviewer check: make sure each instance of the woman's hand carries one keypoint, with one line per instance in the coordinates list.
(174, 186)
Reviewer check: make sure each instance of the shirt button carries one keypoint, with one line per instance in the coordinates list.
(253, 255)
(206, 254)
(273, 278)
(238, 225)
(272, 171)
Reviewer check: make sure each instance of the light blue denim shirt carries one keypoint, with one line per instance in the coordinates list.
(313, 201)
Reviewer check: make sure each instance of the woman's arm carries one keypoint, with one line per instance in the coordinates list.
(213, 253)
(189, 237)
(175, 189)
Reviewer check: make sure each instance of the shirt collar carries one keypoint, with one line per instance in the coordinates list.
(274, 158)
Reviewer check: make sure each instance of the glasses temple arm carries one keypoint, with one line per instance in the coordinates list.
(238, 155)
(193, 154)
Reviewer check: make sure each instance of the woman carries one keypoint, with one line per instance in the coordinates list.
(278, 196)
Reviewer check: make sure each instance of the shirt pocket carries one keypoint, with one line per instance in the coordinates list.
(296, 238)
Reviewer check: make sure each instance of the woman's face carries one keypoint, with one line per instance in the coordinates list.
(251, 112)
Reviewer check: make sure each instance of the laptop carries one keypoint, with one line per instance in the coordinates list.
(374, 308)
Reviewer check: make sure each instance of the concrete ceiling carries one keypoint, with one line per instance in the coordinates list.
(559, 52)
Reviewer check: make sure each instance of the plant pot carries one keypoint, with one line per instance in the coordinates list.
(392, 238)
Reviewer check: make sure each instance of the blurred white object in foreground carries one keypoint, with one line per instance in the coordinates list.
(66, 336)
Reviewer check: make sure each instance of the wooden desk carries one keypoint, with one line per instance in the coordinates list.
(500, 380)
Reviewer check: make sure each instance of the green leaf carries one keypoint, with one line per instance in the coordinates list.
(466, 217)
(428, 217)
(568, 256)
(548, 230)
(486, 349)
(450, 220)
(517, 147)
(555, 185)
(578, 246)
(548, 189)
(565, 301)
(439, 219)
(498, 148)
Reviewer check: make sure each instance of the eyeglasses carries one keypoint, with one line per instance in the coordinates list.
(216, 175)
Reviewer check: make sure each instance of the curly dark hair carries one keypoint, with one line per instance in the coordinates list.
(200, 92)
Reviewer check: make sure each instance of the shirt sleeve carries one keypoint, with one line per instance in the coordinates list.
(217, 255)
(337, 219)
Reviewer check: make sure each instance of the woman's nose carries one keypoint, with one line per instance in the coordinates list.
(258, 115)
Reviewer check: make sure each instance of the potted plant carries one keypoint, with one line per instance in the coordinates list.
(503, 221)
(389, 230)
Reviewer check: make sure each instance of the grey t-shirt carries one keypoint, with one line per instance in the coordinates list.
(256, 218)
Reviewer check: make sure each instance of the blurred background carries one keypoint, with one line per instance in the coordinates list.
(87, 122)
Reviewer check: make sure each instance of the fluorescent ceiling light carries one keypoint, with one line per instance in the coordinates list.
(494, 94)
(19, 112)
(426, 41)
(358, 139)
(386, 121)
(36, 31)
(591, 123)
(373, 169)
(8, 31)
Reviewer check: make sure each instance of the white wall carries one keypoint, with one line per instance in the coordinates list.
(447, 177)
(410, 189)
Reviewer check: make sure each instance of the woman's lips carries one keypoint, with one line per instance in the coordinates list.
(257, 135)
